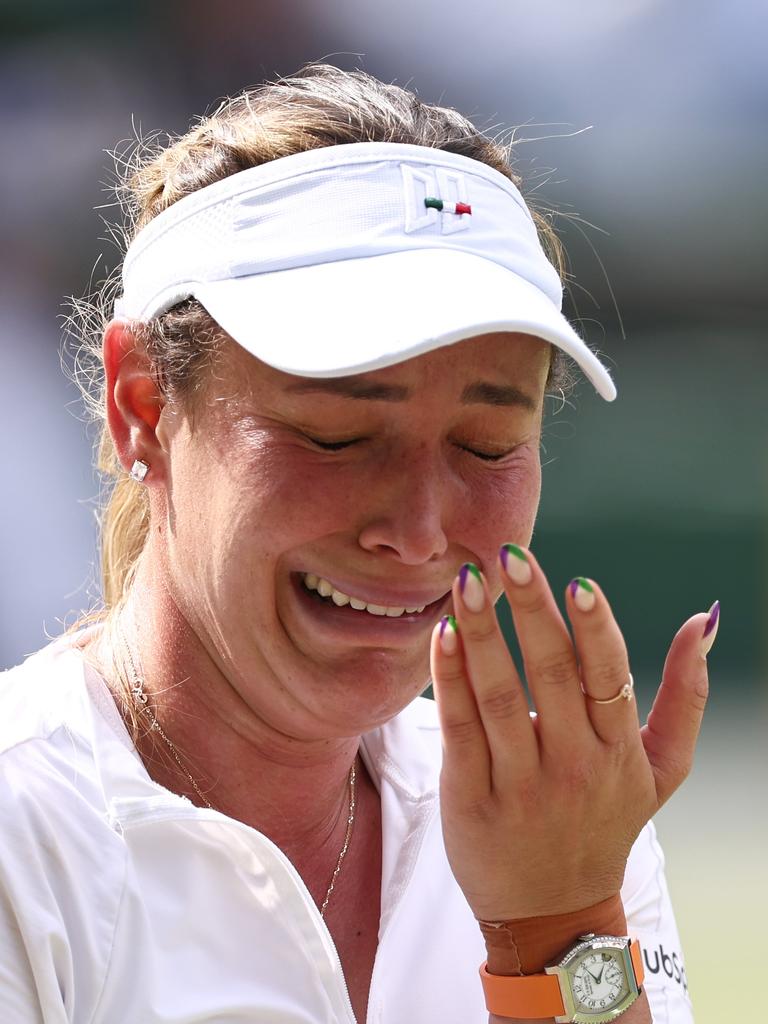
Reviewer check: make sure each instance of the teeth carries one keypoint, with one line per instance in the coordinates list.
(326, 589)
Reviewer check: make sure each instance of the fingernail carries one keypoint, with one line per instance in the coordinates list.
(448, 635)
(583, 594)
(516, 564)
(471, 587)
(710, 630)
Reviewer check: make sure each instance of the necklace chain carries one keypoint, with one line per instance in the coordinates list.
(141, 702)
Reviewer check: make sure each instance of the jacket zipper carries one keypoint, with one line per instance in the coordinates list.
(417, 841)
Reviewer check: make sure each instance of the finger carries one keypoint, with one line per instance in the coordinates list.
(673, 725)
(498, 691)
(466, 758)
(603, 661)
(549, 658)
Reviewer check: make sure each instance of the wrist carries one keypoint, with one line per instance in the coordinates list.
(528, 945)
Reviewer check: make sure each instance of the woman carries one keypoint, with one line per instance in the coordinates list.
(325, 376)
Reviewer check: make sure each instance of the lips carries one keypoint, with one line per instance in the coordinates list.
(331, 592)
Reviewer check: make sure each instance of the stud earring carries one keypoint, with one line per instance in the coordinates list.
(139, 470)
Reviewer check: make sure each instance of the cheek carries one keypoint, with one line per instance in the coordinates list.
(282, 496)
(502, 507)
(309, 499)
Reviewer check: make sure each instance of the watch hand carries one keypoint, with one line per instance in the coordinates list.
(600, 975)
(595, 977)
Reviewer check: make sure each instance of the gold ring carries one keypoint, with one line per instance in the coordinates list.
(625, 693)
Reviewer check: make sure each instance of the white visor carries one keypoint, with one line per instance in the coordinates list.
(350, 258)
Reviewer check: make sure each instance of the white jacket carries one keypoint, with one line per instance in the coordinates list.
(123, 903)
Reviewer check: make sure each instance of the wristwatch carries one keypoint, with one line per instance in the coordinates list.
(594, 982)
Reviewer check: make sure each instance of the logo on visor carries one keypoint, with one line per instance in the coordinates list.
(435, 199)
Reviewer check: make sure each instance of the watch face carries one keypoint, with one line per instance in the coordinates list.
(598, 981)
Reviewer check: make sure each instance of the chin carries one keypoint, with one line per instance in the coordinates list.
(370, 691)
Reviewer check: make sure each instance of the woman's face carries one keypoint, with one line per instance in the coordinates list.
(378, 486)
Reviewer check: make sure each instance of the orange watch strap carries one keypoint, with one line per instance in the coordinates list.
(536, 996)
(637, 961)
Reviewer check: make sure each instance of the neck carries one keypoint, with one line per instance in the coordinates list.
(293, 789)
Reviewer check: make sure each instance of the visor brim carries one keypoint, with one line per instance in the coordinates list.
(351, 316)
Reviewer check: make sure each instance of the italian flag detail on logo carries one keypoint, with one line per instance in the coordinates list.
(438, 204)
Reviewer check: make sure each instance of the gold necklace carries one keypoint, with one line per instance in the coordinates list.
(141, 702)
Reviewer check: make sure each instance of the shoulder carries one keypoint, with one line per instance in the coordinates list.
(63, 867)
(36, 697)
(50, 790)
(45, 741)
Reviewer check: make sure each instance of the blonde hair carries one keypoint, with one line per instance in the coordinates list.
(319, 106)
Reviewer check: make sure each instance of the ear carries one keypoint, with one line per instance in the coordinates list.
(134, 401)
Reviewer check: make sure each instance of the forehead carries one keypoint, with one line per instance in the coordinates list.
(518, 363)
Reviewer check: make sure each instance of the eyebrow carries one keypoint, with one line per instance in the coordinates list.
(480, 392)
(484, 393)
(351, 387)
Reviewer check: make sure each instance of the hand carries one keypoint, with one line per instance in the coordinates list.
(539, 814)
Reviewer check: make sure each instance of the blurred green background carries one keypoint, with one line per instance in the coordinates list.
(662, 499)
(660, 496)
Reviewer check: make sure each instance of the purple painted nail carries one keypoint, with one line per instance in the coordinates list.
(710, 629)
(471, 587)
(515, 563)
(714, 615)
(464, 571)
(447, 620)
(583, 593)
(448, 635)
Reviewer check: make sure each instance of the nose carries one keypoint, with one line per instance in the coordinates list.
(407, 510)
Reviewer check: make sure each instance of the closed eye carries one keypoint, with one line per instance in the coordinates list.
(337, 446)
(333, 446)
(487, 456)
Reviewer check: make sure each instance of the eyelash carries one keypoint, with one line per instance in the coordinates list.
(333, 446)
(487, 456)
(337, 446)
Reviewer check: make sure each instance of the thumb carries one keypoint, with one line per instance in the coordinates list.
(670, 734)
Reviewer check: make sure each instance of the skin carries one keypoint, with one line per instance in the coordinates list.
(276, 682)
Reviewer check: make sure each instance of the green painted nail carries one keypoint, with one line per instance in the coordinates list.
(512, 549)
(581, 583)
(583, 593)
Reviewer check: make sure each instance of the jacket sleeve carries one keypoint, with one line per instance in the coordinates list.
(650, 919)
(59, 893)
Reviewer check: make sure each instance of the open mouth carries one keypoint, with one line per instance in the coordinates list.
(323, 590)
